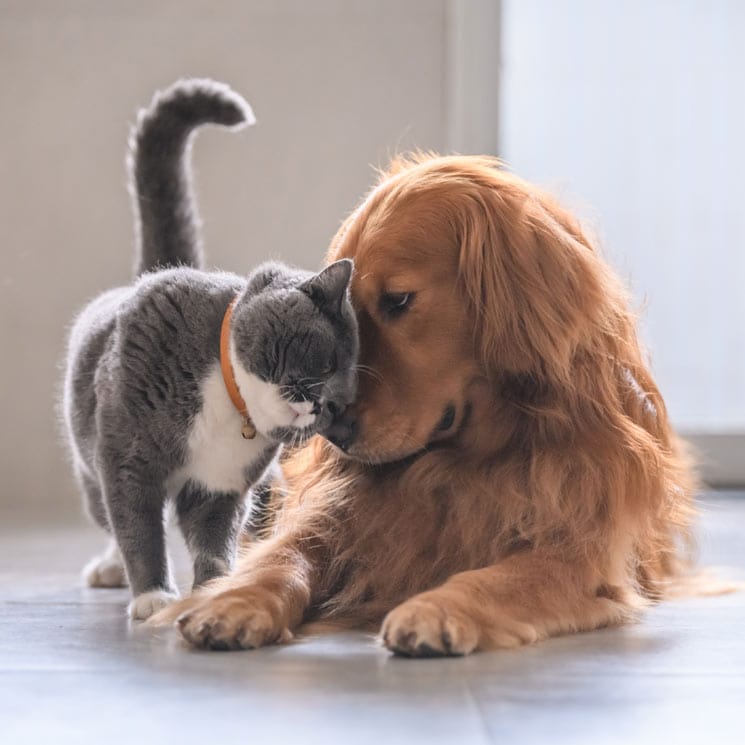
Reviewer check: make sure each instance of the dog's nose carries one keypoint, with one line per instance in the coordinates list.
(343, 430)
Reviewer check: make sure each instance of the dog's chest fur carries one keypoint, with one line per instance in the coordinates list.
(217, 455)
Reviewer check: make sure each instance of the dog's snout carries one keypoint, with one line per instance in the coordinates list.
(343, 430)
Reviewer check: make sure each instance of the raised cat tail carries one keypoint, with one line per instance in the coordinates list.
(167, 224)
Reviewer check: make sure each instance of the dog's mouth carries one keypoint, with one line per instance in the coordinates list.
(443, 436)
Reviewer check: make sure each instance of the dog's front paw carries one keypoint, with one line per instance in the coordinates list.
(232, 620)
(147, 603)
(426, 627)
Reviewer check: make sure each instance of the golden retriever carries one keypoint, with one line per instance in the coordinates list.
(508, 472)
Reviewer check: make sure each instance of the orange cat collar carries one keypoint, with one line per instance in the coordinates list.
(228, 375)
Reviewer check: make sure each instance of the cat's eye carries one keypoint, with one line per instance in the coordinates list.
(330, 367)
(395, 304)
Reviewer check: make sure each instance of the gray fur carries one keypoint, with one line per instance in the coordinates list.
(292, 327)
(211, 524)
(166, 219)
(139, 358)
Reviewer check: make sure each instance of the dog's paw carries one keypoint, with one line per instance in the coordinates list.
(144, 605)
(232, 620)
(106, 570)
(423, 627)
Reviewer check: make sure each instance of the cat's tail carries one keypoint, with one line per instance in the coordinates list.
(167, 222)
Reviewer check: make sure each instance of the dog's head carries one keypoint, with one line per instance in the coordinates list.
(464, 274)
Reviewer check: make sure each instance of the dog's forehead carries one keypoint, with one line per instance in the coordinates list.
(396, 262)
(398, 244)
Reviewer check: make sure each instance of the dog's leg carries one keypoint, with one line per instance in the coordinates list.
(261, 603)
(523, 599)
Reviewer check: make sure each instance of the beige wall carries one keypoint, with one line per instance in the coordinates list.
(335, 84)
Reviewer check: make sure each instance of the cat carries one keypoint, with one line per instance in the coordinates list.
(185, 385)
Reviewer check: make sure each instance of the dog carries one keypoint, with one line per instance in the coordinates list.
(508, 472)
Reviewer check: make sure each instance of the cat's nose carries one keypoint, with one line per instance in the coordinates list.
(343, 430)
(302, 407)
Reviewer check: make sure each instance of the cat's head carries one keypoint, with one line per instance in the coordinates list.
(295, 344)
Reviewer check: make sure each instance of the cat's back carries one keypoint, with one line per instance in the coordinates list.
(90, 337)
(181, 293)
(92, 329)
(174, 314)
(97, 318)
(166, 318)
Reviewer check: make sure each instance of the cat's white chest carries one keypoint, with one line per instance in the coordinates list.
(218, 456)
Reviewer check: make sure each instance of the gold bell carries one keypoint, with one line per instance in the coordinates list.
(248, 430)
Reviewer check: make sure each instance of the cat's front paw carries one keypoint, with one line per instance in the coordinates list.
(232, 620)
(147, 603)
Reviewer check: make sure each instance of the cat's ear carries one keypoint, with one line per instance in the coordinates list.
(328, 288)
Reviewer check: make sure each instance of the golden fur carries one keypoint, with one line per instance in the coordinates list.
(557, 501)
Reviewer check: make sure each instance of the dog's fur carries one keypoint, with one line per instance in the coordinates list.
(558, 500)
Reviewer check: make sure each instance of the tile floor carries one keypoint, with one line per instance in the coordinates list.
(72, 671)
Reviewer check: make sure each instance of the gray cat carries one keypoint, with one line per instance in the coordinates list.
(150, 411)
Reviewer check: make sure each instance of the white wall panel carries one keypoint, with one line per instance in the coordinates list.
(634, 112)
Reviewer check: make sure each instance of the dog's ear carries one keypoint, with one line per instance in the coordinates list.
(533, 280)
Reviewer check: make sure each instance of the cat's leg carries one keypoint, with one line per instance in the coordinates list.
(135, 504)
(211, 523)
(94, 505)
(107, 569)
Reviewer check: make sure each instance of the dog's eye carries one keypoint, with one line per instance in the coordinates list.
(448, 417)
(394, 304)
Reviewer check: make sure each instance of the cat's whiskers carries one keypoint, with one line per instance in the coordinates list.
(374, 374)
